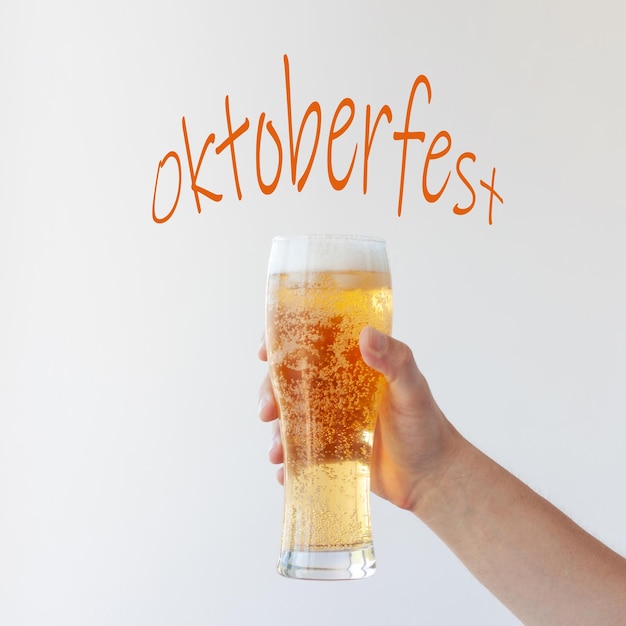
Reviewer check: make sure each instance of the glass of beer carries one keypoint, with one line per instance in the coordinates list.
(322, 290)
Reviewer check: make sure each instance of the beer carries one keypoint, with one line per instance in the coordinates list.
(328, 402)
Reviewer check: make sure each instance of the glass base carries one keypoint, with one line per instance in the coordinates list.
(330, 565)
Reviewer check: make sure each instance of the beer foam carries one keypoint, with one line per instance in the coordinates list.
(322, 253)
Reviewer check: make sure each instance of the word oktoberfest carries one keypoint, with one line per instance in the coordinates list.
(438, 148)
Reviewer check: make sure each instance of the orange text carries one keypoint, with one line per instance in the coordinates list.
(289, 150)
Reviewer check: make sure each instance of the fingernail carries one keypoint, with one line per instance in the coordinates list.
(376, 340)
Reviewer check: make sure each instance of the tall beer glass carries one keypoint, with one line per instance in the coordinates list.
(321, 291)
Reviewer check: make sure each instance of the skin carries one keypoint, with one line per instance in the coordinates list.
(533, 558)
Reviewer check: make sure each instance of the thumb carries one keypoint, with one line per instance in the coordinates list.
(407, 389)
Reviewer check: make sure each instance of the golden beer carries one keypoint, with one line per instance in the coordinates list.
(328, 402)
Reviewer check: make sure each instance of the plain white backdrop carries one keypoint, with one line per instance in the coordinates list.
(134, 482)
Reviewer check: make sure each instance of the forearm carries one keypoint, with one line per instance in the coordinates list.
(541, 565)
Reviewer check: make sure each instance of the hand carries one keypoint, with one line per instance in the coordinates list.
(413, 438)
(540, 564)
(268, 412)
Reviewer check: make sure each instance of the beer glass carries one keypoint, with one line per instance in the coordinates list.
(322, 290)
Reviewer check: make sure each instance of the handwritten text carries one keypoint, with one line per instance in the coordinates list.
(290, 149)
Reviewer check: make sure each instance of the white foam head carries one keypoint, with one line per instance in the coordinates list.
(320, 253)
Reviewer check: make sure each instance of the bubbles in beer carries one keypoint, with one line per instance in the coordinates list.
(328, 398)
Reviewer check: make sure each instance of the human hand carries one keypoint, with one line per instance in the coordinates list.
(530, 555)
(268, 412)
(413, 438)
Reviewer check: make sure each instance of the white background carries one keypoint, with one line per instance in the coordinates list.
(134, 482)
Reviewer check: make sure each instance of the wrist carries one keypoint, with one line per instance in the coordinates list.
(444, 476)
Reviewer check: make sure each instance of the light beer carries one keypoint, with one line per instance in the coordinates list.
(328, 402)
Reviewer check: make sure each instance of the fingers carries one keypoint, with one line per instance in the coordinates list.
(262, 349)
(267, 405)
(280, 475)
(268, 412)
(276, 454)
(276, 448)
